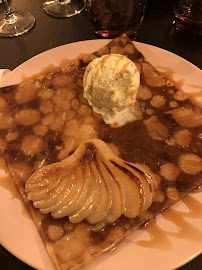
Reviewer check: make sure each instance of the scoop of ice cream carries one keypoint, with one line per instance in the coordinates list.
(110, 86)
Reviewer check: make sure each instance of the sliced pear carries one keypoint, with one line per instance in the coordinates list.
(44, 189)
(81, 200)
(132, 190)
(38, 179)
(69, 194)
(145, 184)
(152, 178)
(74, 194)
(91, 202)
(59, 191)
(54, 202)
(92, 184)
(103, 207)
(118, 196)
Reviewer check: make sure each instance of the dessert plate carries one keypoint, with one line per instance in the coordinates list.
(178, 239)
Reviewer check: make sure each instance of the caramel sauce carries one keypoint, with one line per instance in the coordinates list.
(195, 86)
(101, 66)
(6, 180)
(48, 69)
(64, 62)
(159, 238)
(169, 75)
(194, 96)
(103, 63)
(195, 207)
(95, 77)
(7, 183)
(105, 60)
(125, 67)
(120, 59)
(186, 231)
(98, 70)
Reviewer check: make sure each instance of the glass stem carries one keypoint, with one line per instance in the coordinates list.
(7, 8)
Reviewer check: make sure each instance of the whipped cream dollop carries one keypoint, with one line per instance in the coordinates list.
(110, 86)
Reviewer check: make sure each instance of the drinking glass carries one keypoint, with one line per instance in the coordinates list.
(188, 16)
(111, 18)
(15, 23)
(63, 8)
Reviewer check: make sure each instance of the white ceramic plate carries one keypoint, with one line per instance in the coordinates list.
(18, 233)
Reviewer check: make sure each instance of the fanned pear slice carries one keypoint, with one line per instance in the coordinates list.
(41, 190)
(79, 203)
(152, 178)
(130, 186)
(118, 195)
(54, 201)
(68, 201)
(92, 184)
(52, 197)
(103, 207)
(91, 202)
(147, 187)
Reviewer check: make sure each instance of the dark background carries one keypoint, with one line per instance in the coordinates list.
(49, 32)
(157, 29)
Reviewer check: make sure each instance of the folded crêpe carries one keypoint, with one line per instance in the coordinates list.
(50, 135)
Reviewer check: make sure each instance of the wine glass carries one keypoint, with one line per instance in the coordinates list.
(63, 8)
(14, 23)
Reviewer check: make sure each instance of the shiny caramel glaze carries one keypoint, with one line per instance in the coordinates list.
(44, 119)
(160, 238)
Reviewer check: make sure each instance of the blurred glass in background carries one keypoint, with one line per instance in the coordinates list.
(188, 16)
(63, 8)
(111, 18)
